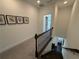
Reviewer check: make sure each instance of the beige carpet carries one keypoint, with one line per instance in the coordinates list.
(22, 51)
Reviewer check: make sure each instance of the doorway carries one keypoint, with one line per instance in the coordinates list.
(46, 22)
(60, 43)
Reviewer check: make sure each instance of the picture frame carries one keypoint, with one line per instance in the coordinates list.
(19, 19)
(26, 20)
(2, 19)
(11, 19)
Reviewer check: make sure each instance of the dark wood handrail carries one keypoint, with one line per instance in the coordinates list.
(36, 36)
(72, 49)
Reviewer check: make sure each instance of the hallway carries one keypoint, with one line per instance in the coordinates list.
(20, 20)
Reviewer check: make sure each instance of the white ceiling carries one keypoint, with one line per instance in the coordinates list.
(47, 2)
(60, 3)
(43, 2)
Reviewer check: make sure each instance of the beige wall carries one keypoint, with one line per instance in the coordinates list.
(73, 30)
(66, 24)
(11, 35)
(62, 20)
(45, 11)
(69, 55)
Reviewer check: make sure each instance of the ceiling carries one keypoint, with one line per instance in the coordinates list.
(47, 2)
(43, 2)
(60, 3)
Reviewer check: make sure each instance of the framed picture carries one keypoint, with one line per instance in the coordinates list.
(2, 19)
(11, 19)
(19, 19)
(26, 20)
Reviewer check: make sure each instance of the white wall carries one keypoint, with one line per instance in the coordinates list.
(45, 11)
(11, 35)
(73, 30)
(62, 20)
(69, 54)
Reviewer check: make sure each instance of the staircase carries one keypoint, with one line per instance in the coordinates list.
(52, 55)
(55, 53)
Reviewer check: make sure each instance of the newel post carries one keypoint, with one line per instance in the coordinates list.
(36, 53)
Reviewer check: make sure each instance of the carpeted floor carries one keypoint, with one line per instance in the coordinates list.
(22, 51)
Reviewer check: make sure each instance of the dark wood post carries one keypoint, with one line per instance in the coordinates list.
(36, 53)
